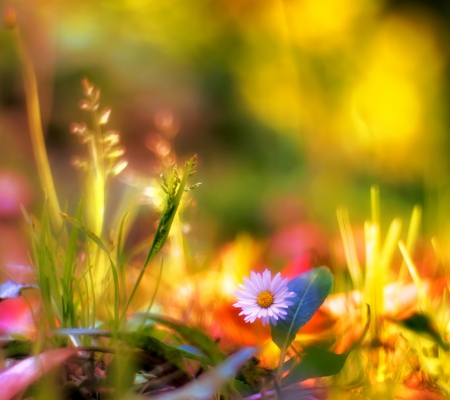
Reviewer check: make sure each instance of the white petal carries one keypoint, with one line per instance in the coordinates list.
(276, 283)
(250, 310)
(260, 283)
(267, 276)
(251, 286)
(255, 281)
(281, 292)
(250, 318)
(245, 296)
(262, 312)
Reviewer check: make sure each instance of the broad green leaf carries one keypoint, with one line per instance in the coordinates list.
(316, 362)
(311, 288)
(242, 388)
(192, 335)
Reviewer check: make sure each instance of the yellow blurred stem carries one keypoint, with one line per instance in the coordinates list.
(390, 245)
(373, 284)
(439, 254)
(35, 126)
(411, 239)
(375, 204)
(423, 302)
(348, 241)
(98, 181)
(96, 188)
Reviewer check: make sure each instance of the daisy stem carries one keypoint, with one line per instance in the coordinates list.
(281, 364)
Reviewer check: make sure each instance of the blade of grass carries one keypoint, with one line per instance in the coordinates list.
(423, 301)
(348, 241)
(120, 259)
(175, 190)
(35, 126)
(411, 239)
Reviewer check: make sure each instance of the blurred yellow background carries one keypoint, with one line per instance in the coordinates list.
(294, 107)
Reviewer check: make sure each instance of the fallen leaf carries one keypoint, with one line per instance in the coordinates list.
(11, 289)
(17, 378)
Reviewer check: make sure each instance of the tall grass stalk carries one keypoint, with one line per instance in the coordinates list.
(35, 126)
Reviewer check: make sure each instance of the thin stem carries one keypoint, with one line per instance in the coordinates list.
(175, 191)
(158, 282)
(281, 364)
(99, 173)
(155, 292)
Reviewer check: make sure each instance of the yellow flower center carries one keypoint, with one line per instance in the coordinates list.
(265, 299)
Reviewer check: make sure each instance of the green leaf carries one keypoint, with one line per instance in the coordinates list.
(423, 325)
(316, 362)
(16, 348)
(242, 388)
(160, 350)
(311, 288)
(192, 335)
(175, 190)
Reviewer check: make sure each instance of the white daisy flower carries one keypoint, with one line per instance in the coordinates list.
(262, 297)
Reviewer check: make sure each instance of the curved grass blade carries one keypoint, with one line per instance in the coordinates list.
(209, 384)
(174, 189)
(91, 235)
(11, 289)
(165, 352)
(312, 288)
(82, 332)
(192, 335)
